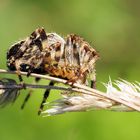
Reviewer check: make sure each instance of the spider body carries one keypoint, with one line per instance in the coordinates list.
(48, 53)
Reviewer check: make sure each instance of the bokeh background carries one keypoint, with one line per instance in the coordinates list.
(112, 27)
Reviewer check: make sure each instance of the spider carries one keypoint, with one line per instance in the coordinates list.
(71, 58)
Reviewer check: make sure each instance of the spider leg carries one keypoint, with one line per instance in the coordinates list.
(93, 82)
(22, 83)
(26, 99)
(46, 95)
(21, 79)
(29, 94)
(71, 81)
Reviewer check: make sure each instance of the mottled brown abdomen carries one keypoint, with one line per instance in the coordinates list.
(74, 61)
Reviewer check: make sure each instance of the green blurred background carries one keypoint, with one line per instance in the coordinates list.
(112, 27)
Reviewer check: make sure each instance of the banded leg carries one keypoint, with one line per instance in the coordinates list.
(28, 95)
(20, 79)
(26, 99)
(46, 95)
